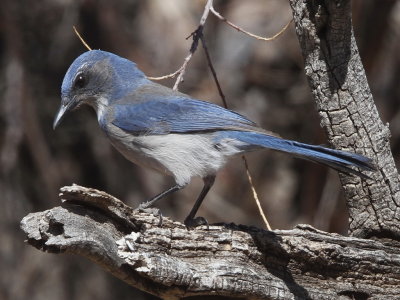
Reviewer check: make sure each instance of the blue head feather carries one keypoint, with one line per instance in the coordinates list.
(118, 71)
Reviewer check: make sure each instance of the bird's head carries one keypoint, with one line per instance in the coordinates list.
(97, 76)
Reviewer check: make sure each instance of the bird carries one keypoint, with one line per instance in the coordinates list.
(165, 130)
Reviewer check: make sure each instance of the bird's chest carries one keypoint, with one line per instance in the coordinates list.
(136, 149)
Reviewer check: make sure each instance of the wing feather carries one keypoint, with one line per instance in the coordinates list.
(164, 113)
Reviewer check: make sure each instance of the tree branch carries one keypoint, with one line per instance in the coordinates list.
(171, 261)
(348, 113)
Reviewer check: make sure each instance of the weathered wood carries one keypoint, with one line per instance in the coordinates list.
(170, 261)
(348, 113)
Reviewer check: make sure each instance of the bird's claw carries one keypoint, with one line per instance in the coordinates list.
(195, 222)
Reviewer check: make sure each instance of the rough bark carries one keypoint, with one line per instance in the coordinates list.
(348, 114)
(170, 261)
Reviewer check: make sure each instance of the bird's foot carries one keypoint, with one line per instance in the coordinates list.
(195, 222)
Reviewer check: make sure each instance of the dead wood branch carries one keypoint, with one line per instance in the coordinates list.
(172, 262)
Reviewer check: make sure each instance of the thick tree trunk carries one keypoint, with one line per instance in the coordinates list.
(172, 262)
(348, 113)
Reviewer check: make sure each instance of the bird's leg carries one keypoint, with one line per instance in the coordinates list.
(153, 200)
(190, 221)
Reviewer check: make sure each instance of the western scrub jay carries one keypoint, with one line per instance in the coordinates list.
(165, 130)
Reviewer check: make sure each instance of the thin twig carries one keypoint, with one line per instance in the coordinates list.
(203, 43)
(172, 75)
(82, 40)
(214, 73)
(197, 34)
(223, 19)
(182, 71)
(255, 196)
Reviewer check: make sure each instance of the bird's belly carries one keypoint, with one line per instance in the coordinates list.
(181, 155)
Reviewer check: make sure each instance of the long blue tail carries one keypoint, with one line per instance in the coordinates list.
(341, 161)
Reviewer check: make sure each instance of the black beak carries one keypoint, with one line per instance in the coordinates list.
(64, 108)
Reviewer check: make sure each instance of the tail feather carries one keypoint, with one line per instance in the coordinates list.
(341, 161)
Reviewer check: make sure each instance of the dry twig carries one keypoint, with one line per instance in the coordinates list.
(219, 16)
(81, 38)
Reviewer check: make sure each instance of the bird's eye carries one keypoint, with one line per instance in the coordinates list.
(80, 81)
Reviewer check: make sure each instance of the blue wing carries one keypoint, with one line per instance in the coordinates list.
(162, 113)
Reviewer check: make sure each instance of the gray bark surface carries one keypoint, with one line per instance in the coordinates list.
(348, 113)
(172, 262)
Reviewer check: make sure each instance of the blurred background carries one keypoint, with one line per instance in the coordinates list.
(262, 80)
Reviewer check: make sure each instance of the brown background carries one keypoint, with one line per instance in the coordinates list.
(262, 80)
